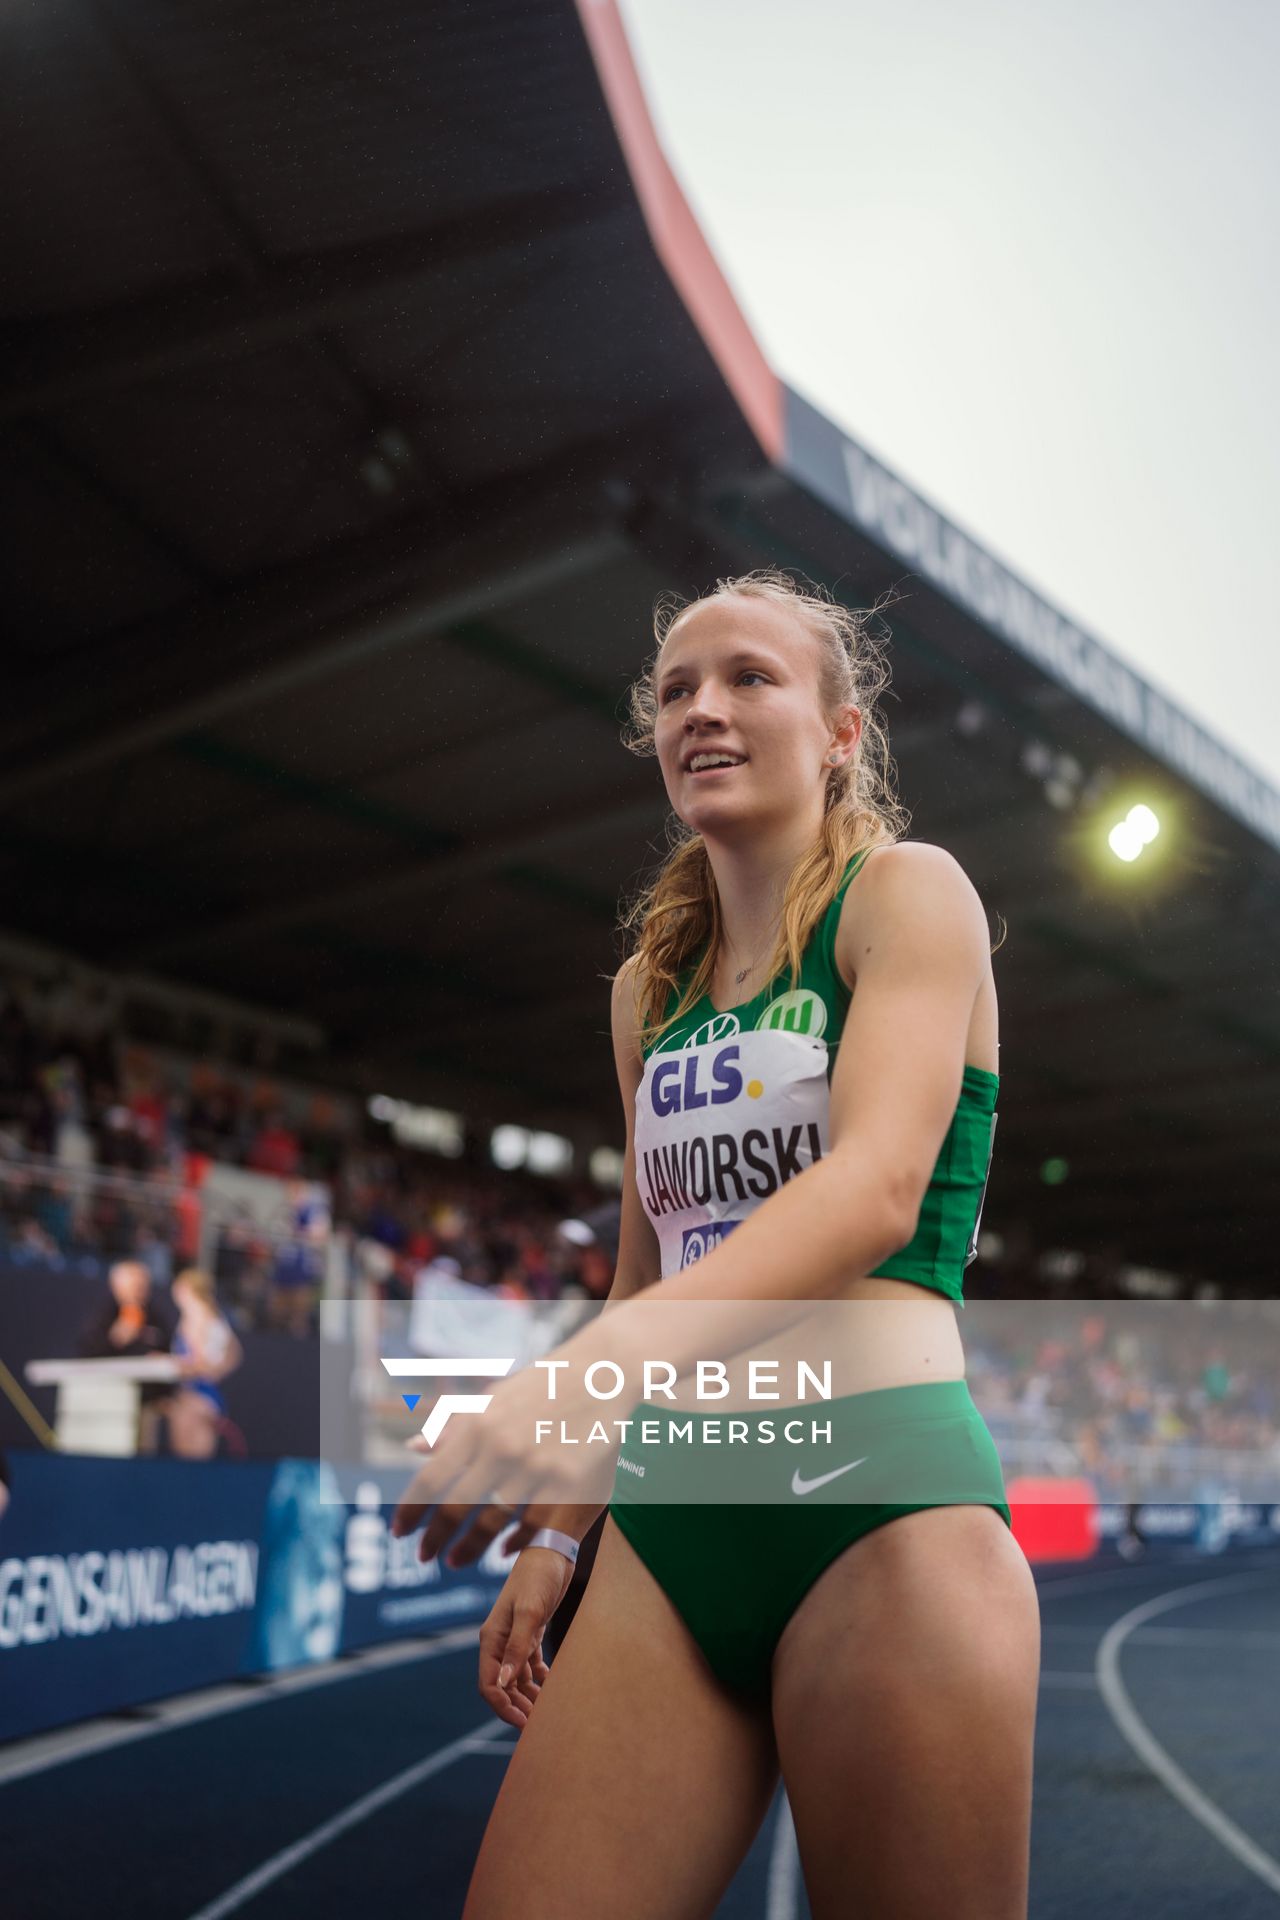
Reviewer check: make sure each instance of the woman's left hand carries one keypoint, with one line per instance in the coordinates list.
(492, 1466)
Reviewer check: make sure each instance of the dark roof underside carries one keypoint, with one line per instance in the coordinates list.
(351, 426)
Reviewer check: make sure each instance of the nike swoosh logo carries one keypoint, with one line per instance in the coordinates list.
(807, 1486)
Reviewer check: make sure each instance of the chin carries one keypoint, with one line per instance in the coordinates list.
(723, 822)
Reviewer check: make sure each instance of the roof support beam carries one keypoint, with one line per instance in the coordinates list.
(58, 361)
(235, 655)
(587, 814)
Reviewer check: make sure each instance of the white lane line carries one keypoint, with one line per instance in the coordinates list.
(54, 1749)
(281, 1863)
(1129, 1575)
(783, 1887)
(1144, 1742)
(1175, 1636)
(1206, 1637)
(475, 1743)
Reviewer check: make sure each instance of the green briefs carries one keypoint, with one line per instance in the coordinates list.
(736, 1565)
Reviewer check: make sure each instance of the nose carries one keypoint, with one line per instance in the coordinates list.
(705, 703)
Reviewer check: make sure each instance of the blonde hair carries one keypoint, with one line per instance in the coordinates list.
(680, 910)
(199, 1283)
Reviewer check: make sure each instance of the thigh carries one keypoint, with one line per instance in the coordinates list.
(638, 1783)
(199, 1426)
(904, 1698)
(178, 1410)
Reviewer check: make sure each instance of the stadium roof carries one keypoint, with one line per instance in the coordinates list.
(366, 377)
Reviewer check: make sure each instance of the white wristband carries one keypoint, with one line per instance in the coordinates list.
(561, 1542)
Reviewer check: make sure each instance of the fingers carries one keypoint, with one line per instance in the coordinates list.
(511, 1695)
(516, 1701)
(524, 1692)
(503, 1708)
(427, 1486)
(512, 1707)
(443, 1474)
(477, 1539)
(442, 1493)
(511, 1665)
(476, 1529)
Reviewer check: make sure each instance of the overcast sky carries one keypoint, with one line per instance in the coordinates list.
(1026, 252)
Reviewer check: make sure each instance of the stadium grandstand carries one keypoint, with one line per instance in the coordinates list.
(331, 554)
(367, 379)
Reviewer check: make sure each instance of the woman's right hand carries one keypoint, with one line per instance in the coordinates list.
(511, 1638)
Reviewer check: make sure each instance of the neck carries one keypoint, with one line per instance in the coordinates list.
(751, 878)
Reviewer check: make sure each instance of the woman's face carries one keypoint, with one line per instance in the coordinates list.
(741, 675)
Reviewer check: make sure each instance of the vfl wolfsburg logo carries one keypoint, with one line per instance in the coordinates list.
(718, 1028)
(802, 1011)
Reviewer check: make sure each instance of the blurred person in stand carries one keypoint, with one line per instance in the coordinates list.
(275, 1147)
(188, 1211)
(121, 1145)
(297, 1274)
(512, 1283)
(233, 1247)
(53, 1206)
(148, 1105)
(205, 1117)
(153, 1250)
(538, 1270)
(294, 1288)
(63, 1085)
(130, 1325)
(207, 1351)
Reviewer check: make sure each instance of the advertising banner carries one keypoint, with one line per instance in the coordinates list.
(123, 1581)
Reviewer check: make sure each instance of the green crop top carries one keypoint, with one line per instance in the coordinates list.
(733, 1103)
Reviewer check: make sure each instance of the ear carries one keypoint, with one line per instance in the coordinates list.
(846, 733)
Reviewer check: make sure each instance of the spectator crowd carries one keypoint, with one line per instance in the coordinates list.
(102, 1152)
(1125, 1388)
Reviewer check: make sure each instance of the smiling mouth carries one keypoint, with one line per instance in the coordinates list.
(702, 773)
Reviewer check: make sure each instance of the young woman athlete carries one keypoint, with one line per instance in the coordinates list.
(207, 1351)
(881, 1656)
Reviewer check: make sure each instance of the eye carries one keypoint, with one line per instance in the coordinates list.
(752, 672)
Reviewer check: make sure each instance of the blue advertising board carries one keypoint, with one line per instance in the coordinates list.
(123, 1581)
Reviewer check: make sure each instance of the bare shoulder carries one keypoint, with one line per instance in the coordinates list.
(910, 891)
(625, 1012)
(627, 982)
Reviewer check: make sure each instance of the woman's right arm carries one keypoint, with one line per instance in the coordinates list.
(639, 1261)
(511, 1638)
(639, 1258)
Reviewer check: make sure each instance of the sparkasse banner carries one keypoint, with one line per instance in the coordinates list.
(123, 1581)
